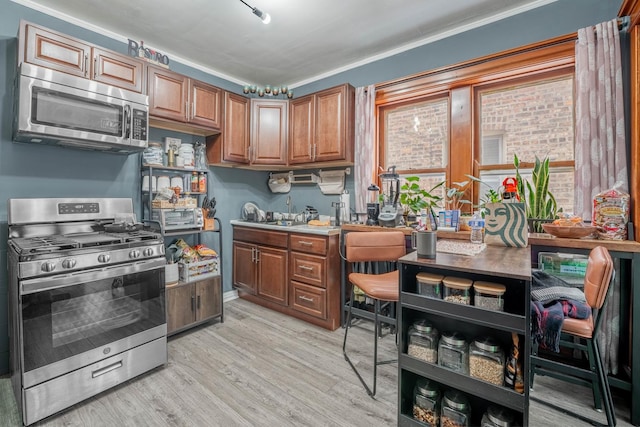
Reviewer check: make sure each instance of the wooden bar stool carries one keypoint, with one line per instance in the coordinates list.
(366, 247)
(581, 334)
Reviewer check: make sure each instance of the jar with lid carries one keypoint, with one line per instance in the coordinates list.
(195, 182)
(202, 182)
(497, 416)
(457, 289)
(488, 295)
(200, 156)
(423, 341)
(486, 360)
(456, 410)
(426, 402)
(153, 154)
(429, 285)
(186, 152)
(453, 352)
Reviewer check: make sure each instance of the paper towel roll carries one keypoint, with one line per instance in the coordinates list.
(345, 207)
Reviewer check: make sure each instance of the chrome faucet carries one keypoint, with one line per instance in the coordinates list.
(289, 205)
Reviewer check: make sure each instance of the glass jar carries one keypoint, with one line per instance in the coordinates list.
(201, 156)
(497, 416)
(453, 352)
(457, 289)
(488, 295)
(429, 285)
(456, 409)
(426, 402)
(153, 154)
(486, 360)
(195, 182)
(423, 341)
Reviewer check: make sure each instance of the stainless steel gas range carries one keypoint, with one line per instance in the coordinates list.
(86, 300)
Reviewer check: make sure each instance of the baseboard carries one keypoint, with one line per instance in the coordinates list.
(230, 295)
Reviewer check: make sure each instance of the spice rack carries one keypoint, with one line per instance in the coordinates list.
(510, 267)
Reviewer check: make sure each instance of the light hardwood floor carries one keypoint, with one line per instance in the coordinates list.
(261, 368)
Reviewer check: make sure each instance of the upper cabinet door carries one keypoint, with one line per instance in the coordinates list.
(168, 94)
(117, 70)
(332, 125)
(269, 132)
(205, 105)
(55, 51)
(301, 129)
(235, 134)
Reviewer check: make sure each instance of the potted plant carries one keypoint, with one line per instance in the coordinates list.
(414, 198)
(540, 204)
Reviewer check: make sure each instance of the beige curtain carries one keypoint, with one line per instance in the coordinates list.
(600, 152)
(365, 153)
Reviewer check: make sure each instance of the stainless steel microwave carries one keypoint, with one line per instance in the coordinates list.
(57, 108)
(178, 219)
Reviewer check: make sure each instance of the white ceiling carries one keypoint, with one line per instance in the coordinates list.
(306, 39)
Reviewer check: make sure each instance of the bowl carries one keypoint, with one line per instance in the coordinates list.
(569, 232)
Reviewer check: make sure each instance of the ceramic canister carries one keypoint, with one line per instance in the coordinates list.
(176, 181)
(163, 182)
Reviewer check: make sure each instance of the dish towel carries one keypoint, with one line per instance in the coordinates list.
(546, 320)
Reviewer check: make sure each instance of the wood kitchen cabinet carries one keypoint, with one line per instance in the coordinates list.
(297, 274)
(56, 51)
(189, 304)
(269, 132)
(260, 261)
(322, 127)
(178, 98)
(231, 146)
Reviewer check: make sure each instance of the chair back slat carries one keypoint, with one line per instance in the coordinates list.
(598, 276)
(374, 246)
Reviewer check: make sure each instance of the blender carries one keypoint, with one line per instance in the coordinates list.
(373, 204)
(391, 211)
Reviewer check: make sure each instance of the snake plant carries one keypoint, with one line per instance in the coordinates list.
(539, 201)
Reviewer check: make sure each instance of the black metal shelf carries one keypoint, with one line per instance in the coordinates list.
(497, 394)
(466, 313)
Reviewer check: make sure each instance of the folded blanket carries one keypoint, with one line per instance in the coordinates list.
(546, 320)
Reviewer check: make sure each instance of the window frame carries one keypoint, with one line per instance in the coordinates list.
(461, 83)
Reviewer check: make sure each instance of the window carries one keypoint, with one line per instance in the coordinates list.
(471, 118)
(532, 119)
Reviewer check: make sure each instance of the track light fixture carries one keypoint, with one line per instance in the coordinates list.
(265, 17)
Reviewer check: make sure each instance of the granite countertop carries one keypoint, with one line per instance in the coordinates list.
(303, 228)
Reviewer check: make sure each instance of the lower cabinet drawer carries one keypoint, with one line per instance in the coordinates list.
(309, 299)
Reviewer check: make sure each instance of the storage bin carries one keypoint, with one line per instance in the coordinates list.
(426, 406)
(563, 264)
(429, 285)
(199, 270)
(457, 289)
(423, 341)
(486, 360)
(488, 295)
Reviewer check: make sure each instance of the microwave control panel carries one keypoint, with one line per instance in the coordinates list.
(139, 126)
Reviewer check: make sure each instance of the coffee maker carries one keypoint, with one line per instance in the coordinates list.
(373, 204)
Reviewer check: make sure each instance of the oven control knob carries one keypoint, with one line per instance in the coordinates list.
(134, 254)
(69, 263)
(104, 258)
(48, 267)
(148, 252)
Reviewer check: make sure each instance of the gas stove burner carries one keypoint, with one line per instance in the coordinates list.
(44, 244)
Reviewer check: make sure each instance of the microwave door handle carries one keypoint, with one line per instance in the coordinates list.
(127, 121)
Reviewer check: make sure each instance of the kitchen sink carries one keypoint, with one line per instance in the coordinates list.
(286, 223)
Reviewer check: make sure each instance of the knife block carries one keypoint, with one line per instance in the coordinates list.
(209, 224)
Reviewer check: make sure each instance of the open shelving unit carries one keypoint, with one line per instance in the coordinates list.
(511, 269)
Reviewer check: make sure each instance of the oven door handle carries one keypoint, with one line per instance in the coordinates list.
(60, 281)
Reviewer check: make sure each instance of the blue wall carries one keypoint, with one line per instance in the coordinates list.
(43, 171)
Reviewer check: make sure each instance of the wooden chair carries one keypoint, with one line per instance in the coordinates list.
(371, 247)
(581, 334)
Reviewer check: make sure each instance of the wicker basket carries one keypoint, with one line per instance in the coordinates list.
(187, 202)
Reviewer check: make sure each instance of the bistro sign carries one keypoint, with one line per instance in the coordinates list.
(140, 51)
